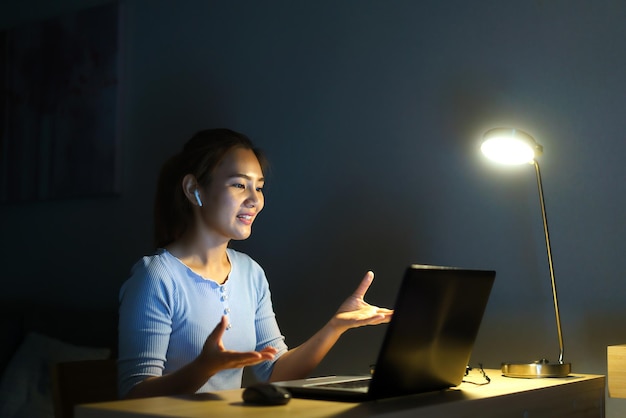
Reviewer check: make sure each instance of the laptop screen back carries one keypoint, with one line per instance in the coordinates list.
(428, 343)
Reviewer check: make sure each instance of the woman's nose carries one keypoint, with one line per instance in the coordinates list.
(253, 199)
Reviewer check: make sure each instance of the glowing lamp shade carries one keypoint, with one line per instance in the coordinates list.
(510, 146)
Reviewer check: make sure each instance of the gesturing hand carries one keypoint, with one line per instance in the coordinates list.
(216, 357)
(355, 312)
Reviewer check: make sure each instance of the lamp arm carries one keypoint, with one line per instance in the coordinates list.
(545, 229)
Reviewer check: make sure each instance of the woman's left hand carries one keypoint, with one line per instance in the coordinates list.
(355, 312)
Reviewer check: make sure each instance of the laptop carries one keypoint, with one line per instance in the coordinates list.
(427, 344)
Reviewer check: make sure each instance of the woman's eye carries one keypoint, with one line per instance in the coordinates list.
(239, 186)
(259, 189)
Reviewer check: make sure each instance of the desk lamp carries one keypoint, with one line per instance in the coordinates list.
(514, 147)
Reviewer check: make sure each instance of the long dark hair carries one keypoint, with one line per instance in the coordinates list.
(200, 156)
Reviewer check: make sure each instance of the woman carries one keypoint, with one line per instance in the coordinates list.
(208, 195)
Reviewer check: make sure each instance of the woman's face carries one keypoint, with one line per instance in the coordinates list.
(235, 196)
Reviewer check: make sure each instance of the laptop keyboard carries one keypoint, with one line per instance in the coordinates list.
(351, 384)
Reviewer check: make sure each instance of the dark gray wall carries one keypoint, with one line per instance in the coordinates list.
(371, 113)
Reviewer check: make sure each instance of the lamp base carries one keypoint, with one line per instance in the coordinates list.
(536, 369)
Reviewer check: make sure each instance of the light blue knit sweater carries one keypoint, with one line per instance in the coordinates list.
(167, 311)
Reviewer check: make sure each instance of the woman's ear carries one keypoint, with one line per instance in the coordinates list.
(192, 189)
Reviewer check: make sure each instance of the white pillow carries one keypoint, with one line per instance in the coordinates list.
(26, 386)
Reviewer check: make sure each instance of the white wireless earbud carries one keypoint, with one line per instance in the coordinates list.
(197, 195)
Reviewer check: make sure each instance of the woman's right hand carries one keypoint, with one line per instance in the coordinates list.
(215, 357)
(189, 378)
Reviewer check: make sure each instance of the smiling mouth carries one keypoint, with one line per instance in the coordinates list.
(245, 217)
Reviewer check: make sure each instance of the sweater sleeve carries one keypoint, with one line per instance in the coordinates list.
(145, 323)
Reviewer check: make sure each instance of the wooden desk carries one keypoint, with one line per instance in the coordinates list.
(575, 396)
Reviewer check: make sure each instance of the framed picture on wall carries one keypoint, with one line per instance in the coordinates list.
(59, 107)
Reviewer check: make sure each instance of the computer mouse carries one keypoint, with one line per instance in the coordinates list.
(266, 394)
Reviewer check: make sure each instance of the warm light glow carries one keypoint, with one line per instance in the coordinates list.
(509, 146)
(507, 150)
